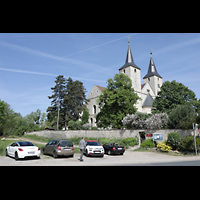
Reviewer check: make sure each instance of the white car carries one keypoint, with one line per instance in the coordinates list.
(93, 148)
(22, 149)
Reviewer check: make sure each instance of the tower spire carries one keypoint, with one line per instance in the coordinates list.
(129, 58)
(152, 71)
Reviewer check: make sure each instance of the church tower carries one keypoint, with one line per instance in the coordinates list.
(152, 77)
(132, 70)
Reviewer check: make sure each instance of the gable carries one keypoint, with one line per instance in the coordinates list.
(95, 92)
(146, 89)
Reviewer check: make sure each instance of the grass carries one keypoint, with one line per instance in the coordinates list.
(3, 145)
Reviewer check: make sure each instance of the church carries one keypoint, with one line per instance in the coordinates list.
(147, 91)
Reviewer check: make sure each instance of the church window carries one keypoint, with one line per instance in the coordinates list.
(135, 70)
(158, 85)
(91, 121)
(148, 90)
(148, 79)
(95, 109)
(124, 71)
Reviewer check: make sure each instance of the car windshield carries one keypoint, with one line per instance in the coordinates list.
(93, 144)
(22, 144)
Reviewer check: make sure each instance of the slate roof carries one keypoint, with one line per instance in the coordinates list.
(148, 101)
(129, 60)
(152, 71)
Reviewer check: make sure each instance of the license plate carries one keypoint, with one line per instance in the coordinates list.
(32, 152)
(119, 148)
(97, 151)
(66, 149)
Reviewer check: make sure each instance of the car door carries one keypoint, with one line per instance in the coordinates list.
(13, 148)
(48, 147)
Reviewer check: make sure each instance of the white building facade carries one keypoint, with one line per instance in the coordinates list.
(147, 91)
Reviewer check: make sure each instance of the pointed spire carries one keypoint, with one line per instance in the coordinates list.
(129, 59)
(152, 68)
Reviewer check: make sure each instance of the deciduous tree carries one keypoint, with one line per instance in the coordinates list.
(116, 101)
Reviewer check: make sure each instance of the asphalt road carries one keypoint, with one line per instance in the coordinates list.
(130, 158)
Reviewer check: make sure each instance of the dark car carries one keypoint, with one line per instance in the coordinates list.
(113, 148)
(59, 148)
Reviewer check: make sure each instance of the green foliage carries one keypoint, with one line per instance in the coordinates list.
(182, 117)
(171, 95)
(67, 99)
(130, 141)
(148, 143)
(187, 144)
(174, 140)
(74, 125)
(116, 101)
(85, 116)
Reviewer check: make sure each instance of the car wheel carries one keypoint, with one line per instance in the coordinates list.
(109, 152)
(55, 154)
(16, 156)
(6, 152)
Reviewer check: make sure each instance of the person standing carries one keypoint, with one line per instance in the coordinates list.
(82, 146)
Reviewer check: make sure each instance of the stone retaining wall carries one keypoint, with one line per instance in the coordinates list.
(106, 133)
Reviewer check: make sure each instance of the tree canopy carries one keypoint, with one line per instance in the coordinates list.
(171, 95)
(116, 101)
(67, 101)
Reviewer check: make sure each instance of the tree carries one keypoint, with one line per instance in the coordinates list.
(116, 101)
(58, 98)
(146, 121)
(67, 104)
(35, 121)
(74, 100)
(85, 116)
(182, 117)
(171, 95)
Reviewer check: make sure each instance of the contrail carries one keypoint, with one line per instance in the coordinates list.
(47, 74)
(99, 45)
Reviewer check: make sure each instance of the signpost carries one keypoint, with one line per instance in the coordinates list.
(194, 129)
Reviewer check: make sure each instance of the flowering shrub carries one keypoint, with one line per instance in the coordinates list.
(163, 147)
(156, 121)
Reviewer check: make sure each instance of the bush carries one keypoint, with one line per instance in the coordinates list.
(174, 140)
(187, 144)
(163, 146)
(129, 141)
(148, 143)
(75, 125)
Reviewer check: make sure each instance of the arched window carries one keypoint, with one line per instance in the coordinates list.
(95, 109)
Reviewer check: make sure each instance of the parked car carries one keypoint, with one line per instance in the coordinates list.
(93, 148)
(113, 148)
(22, 149)
(59, 148)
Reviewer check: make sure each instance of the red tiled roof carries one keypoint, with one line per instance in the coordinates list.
(142, 86)
(101, 88)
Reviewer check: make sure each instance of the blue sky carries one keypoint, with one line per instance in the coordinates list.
(30, 62)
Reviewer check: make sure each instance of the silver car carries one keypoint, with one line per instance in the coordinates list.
(59, 148)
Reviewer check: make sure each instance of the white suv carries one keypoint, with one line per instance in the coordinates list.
(93, 148)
